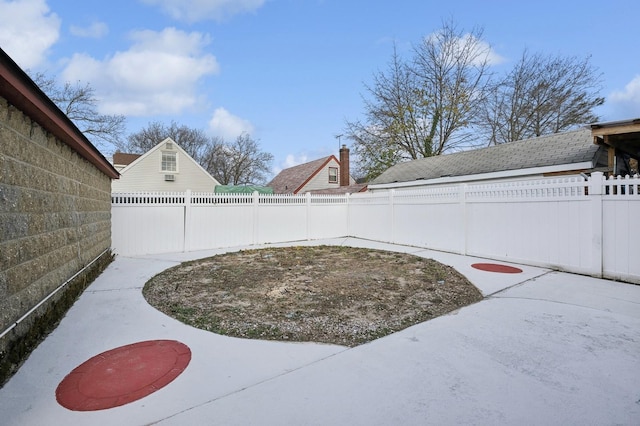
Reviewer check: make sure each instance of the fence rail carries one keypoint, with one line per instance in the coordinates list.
(572, 224)
(621, 186)
(148, 198)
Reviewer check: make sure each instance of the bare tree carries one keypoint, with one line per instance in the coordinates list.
(395, 127)
(426, 106)
(194, 141)
(79, 103)
(453, 68)
(238, 163)
(541, 95)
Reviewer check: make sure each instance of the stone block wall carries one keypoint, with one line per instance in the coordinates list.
(55, 220)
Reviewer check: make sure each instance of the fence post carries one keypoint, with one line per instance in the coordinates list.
(308, 213)
(186, 238)
(256, 201)
(348, 201)
(392, 218)
(465, 225)
(596, 181)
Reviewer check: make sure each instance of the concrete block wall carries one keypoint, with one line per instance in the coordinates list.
(54, 218)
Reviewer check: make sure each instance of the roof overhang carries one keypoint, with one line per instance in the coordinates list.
(535, 171)
(20, 91)
(616, 127)
(622, 135)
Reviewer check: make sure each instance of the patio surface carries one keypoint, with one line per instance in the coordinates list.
(542, 348)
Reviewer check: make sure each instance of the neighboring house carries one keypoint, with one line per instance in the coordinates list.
(569, 153)
(55, 227)
(325, 175)
(166, 167)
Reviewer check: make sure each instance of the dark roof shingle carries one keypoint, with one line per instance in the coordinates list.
(124, 159)
(556, 149)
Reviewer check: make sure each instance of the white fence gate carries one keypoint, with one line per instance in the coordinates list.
(570, 224)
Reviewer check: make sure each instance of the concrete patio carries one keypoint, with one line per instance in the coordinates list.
(542, 348)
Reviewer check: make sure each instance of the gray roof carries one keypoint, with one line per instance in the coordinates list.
(550, 150)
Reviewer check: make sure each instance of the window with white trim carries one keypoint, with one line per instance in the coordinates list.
(333, 175)
(169, 162)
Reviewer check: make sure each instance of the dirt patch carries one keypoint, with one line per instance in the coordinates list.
(330, 294)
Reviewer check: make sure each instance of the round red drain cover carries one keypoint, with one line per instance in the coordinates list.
(123, 375)
(494, 267)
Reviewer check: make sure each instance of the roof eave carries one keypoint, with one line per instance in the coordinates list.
(20, 91)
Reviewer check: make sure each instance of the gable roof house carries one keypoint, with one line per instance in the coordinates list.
(326, 175)
(569, 153)
(166, 167)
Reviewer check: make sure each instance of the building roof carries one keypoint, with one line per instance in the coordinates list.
(20, 91)
(549, 150)
(292, 179)
(124, 159)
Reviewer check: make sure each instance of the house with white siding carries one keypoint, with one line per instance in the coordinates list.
(165, 167)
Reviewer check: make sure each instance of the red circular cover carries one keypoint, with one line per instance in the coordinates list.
(494, 267)
(123, 375)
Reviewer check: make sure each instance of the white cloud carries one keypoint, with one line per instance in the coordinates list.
(493, 58)
(290, 161)
(202, 10)
(294, 160)
(482, 51)
(157, 75)
(27, 30)
(95, 30)
(227, 125)
(627, 102)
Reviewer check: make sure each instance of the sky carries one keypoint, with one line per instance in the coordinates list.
(291, 72)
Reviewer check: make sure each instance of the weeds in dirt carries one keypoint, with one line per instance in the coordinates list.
(330, 294)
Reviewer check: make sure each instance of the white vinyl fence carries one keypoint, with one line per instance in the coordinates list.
(148, 223)
(570, 224)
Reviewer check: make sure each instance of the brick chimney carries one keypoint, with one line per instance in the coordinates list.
(344, 166)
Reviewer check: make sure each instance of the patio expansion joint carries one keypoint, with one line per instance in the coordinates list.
(109, 290)
(258, 383)
(497, 294)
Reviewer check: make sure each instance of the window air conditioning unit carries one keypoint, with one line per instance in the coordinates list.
(169, 178)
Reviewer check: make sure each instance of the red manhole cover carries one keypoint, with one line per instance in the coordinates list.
(494, 267)
(123, 375)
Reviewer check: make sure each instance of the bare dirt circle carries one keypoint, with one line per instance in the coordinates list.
(327, 294)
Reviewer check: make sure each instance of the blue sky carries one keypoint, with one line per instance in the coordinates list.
(290, 72)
